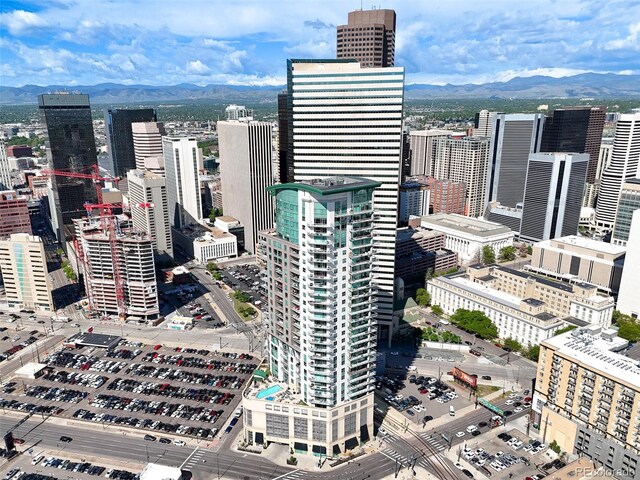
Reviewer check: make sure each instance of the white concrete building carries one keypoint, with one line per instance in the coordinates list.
(467, 236)
(629, 295)
(421, 150)
(246, 172)
(147, 145)
(623, 166)
(5, 169)
(321, 331)
(215, 245)
(347, 120)
(150, 207)
(23, 264)
(181, 159)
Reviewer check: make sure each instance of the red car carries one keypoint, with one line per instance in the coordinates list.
(157, 347)
(18, 441)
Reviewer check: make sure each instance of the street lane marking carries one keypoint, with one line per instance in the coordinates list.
(285, 474)
(189, 457)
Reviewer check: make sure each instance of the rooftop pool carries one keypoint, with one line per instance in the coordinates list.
(273, 389)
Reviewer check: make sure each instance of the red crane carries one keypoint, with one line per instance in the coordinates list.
(95, 176)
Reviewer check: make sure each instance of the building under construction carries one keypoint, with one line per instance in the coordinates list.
(118, 267)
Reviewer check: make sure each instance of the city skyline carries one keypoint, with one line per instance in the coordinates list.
(81, 42)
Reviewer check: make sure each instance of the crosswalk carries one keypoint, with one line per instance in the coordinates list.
(295, 475)
(196, 457)
(435, 441)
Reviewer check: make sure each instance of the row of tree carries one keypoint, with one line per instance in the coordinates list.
(505, 254)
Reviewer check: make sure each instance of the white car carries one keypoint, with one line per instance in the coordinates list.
(518, 409)
(509, 402)
(458, 466)
(180, 443)
(471, 428)
(418, 408)
(460, 434)
(513, 395)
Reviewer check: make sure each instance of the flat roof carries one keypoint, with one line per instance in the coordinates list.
(154, 471)
(545, 281)
(584, 242)
(95, 339)
(30, 369)
(327, 186)
(460, 223)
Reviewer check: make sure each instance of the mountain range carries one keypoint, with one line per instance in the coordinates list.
(594, 85)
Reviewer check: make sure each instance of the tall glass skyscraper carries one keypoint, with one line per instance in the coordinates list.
(71, 148)
(320, 327)
(117, 125)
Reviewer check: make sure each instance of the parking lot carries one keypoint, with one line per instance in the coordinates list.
(504, 455)
(190, 301)
(248, 279)
(181, 391)
(12, 341)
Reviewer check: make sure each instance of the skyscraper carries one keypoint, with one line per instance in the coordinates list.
(183, 185)
(347, 120)
(14, 214)
(578, 130)
(321, 334)
(246, 172)
(513, 138)
(628, 298)
(24, 270)
(464, 160)
(117, 124)
(71, 148)
(625, 158)
(421, 150)
(552, 196)
(147, 145)
(369, 37)
(5, 171)
(629, 203)
(284, 156)
(484, 123)
(151, 188)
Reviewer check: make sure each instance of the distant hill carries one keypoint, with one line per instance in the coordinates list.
(577, 86)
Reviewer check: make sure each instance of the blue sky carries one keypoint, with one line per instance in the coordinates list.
(166, 42)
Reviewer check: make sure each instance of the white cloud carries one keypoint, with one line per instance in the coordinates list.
(631, 41)
(20, 21)
(197, 67)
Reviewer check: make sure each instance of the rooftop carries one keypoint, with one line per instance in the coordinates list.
(583, 242)
(597, 348)
(545, 281)
(327, 186)
(468, 225)
(94, 340)
(154, 471)
(212, 235)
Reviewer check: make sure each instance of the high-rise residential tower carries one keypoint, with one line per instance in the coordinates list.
(552, 196)
(623, 166)
(575, 130)
(347, 120)
(71, 148)
(183, 185)
(246, 172)
(284, 155)
(24, 270)
(321, 331)
(628, 298)
(117, 124)
(421, 150)
(369, 37)
(484, 123)
(14, 214)
(150, 208)
(147, 145)
(5, 170)
(513, 138)
(629, 203)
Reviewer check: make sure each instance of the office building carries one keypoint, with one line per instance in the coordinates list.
(553, 195)
(18, 151)
(625, 156)
(183, 186)
(586, 398)
(238, 113)
(421, 195)
(468, 236)
(575, 130)
(5, 170)
(579, 259)
(628, 298)
(285, 155)
(14, 214)
(233, 226)
(214, 244)
(147, 145)
(246, 171)
(419, 251)
(464, 160)
(513, 138)
(359, 134)
(71, 148)
(23, 264)
(320, 328)
(629, 203)
(523, 306)
(368, 37)
(149, 204)
(117, 124)
(421, 150)
(483, 123)
(414, 200)
(118, 269)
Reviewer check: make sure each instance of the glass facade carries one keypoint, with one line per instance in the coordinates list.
(120, 138)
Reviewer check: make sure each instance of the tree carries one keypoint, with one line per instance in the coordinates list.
(241, 296)
(488, 255)
(423, 298)
(566, 329)
(529, 250)
(512, 345)
(215, 212)
(629, 328)
(476, 322)
(522, 250)
(507, 253)
(533, 352)
(437, 310)
(212, 267)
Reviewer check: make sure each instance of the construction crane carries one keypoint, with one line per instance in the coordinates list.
(95, 176)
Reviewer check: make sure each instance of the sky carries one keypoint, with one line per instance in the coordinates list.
(168, 42)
